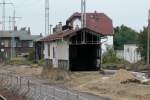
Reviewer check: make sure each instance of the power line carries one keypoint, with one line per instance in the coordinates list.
(3, 14)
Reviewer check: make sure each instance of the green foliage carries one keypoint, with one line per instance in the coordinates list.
(142, 42)
(31, 55)
(110, 57)
(42, 62)
(124, 35)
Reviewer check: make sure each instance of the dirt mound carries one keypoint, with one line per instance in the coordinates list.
(123, 76)
(55, 74)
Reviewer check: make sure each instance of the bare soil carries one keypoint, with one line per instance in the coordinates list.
(90, 82)
(109, 86)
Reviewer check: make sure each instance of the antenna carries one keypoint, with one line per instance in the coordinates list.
(46, 17)
(3, 14)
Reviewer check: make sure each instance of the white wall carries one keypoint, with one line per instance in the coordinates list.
(107, 42)
(61, 50)
(45, 51)
(77, 22)
(131, 54)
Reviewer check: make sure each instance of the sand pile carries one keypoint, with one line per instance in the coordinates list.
(123, 76)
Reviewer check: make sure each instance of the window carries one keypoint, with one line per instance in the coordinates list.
(19, 44)
(30, 44)
(127, 49)
(53, 52)
(48, 49)
(6, 43)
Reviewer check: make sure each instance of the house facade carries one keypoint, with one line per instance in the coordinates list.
(23, 43)
(71, 47)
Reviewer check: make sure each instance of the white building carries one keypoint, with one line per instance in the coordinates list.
(129, 53)
(74, 48)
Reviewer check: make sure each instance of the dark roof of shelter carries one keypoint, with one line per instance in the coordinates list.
(22, 35)
(64, 34)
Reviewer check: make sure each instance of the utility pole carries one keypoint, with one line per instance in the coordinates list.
(13, 51)
(3, 13)
(83, 18)
(50, 28)
(46, 17)
(83, 13)
(148, 39)
(9, 23)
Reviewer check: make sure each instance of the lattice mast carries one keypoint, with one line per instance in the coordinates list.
(4, 13)
(46, 17)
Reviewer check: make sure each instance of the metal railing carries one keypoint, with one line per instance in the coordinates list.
(34, 91)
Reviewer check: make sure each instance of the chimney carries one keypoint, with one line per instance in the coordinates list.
(29, 31)
(15, 28)
(41, 35)
(60, 26)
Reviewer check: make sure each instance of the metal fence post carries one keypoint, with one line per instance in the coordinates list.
(67, 95)
(78, 96)
(11, 83)
(54, 92)
(28, 85)
(17, 80)
(20, 81)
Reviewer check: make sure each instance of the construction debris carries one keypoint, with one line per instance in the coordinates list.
(123, 76)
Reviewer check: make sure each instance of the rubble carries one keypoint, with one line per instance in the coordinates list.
(123, 76)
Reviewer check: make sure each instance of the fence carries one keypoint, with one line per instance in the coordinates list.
(33, 91)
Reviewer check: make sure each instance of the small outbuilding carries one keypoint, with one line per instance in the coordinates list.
(73, 48)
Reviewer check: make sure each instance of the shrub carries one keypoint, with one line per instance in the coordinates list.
(42, 62)
(31, 55)
(110, 56)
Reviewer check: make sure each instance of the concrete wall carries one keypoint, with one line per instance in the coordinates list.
(59, 51)
(131, 54)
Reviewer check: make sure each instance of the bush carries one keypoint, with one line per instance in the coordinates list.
(111, 61)
(110, 57)
(31, 55)
(42, 62)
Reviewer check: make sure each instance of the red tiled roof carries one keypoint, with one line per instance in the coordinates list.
(58, 36)
(98, 22)
(63, 34)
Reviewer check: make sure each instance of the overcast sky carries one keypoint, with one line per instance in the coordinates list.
(133, 13)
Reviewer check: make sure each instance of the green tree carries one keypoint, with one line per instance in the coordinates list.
(142, 42)
(124, 35)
